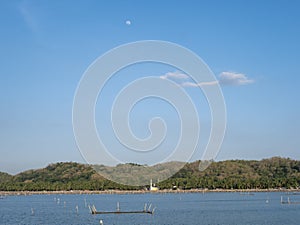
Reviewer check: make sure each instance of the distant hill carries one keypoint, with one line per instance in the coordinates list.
(58, 172)
(237, 174)
(139, 175)
(5, 177)
(55, 177)
(275, 172)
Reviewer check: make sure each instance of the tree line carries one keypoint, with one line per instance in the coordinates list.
(275, 172)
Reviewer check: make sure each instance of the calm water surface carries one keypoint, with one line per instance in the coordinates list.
(173, 209)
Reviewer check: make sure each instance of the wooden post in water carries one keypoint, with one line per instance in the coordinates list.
(118, 206)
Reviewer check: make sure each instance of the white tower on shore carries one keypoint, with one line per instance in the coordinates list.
(152, 188)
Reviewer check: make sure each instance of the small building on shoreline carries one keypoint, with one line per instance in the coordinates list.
(153, 187)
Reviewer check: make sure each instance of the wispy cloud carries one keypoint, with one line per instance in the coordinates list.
(232, 78)
(175, 75)
(28, 16)
(225, 78)
(193, 84)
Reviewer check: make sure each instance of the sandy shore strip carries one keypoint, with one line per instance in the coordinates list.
(5, 193)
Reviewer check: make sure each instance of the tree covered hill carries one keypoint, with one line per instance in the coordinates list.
(237, 174)
(275, 172)
(58, 172)
(5, 177)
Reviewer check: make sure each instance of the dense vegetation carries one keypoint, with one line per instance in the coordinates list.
(239, 174)
(232, 174)
(5, 177)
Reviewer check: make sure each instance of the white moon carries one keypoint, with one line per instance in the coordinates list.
(128, 22)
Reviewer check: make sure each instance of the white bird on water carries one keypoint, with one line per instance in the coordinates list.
(101, 222)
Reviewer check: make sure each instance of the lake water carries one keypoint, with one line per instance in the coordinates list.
(171, 209)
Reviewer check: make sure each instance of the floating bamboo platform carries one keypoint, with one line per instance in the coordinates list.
(93, 210)
(289, 202)
(120, 212)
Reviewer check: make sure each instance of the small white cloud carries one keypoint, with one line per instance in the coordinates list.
(188, 83)
(232, 78)
(175, 75)
(193, 84)
(128, 22)
(225, 78)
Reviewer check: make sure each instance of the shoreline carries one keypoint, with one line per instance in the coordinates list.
(86, 192)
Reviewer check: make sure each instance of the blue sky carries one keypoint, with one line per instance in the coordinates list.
(45, 47)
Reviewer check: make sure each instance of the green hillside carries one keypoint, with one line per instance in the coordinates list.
(237, 174)
(59, 172)
(5, 177)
